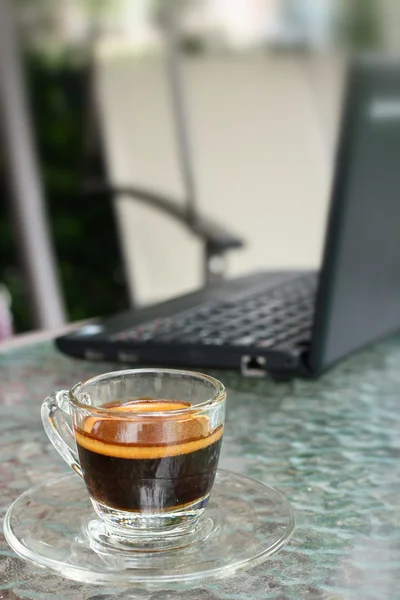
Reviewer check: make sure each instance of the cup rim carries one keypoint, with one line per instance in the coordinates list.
(217, 398)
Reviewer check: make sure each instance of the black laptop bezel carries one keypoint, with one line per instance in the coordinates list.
(314, 358)
(362, 72)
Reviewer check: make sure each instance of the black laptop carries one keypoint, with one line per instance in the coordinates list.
(295, 323)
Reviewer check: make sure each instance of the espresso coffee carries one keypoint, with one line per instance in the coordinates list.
(148, 464)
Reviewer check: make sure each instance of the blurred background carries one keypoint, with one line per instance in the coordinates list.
(224, 108)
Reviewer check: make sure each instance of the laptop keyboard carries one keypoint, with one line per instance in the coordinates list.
(274, 317)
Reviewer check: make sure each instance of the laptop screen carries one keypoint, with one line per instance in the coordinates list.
(359, 290)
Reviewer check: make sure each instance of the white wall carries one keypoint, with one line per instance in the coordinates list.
(263, 130)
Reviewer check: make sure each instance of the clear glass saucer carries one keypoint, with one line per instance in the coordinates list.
(53, 525)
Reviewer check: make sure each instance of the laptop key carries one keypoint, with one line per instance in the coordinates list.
(266, 343)
(243, 341)
(211, 341)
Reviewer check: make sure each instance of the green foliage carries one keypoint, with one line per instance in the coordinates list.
(83, 229)
(361, 25)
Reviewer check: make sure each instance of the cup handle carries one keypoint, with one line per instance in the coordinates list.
(54, 410)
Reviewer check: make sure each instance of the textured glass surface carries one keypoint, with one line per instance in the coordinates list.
(332, 446)
(54, 526)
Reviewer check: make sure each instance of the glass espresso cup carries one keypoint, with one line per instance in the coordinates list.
(145, 441)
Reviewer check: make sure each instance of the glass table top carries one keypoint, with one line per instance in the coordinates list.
(332, 446)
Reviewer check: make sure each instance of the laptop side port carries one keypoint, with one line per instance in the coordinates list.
(253, 366)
